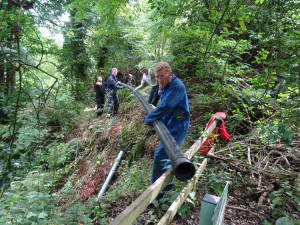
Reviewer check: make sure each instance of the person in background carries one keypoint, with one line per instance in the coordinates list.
(100, 95)
(148, 77)
(173, 111)
(111, 91)
(130, 80)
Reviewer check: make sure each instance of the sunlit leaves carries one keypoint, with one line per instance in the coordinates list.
(259, 1)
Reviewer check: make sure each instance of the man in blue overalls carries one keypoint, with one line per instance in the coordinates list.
(111, 91)
(173, 111)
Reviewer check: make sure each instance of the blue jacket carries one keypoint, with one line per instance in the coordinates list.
(112, 83)
(174, 106)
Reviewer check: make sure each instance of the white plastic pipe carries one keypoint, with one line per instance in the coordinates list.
(110, 175)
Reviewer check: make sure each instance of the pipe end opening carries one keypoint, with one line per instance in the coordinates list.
(185, 171)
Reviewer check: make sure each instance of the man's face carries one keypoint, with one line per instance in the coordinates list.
(114, 72)
(163, 77)
(99, 79)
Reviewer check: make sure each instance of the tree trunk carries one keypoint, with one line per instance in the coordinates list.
(2, 73)
(10, 80)
(10, 68)
(79, 51)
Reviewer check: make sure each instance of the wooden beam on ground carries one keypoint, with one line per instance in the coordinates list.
(171, 212)
(129, 215)
(194, 148)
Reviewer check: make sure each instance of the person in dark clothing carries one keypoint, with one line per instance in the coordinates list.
(148, 77)
(131, 80)
(173, 111)
(111, 91)
(100, 95)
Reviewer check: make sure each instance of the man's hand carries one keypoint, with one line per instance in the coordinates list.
(153, 106)
(119, 86)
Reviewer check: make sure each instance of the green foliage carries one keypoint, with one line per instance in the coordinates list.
(215, 181)
(58, 155)
(126, 96)
(272, 131)
(280, 196)
(24, 205)
(31, 132)
(186, 209)
(78, 213)
(29, 201)
(163, 204)
(17, 160)
(132, 181)
(32, 210)
(63, 108)
(28, 136)
(203, 99)
(9, 162)
(137, 149)
(152, 217)
(100, 211)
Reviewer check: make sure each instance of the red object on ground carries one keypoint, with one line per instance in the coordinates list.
(218, 131)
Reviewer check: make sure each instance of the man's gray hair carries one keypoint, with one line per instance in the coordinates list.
(114, 69)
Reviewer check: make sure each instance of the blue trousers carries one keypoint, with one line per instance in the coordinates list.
(161, 162)
(154, 97)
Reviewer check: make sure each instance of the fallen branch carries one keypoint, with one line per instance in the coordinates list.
(242, 209)
(265, 194)
(246, 168)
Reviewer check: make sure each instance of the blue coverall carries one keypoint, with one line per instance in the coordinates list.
(112, 97)
(174, 112)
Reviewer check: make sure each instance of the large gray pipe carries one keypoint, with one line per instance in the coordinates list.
(183, 168)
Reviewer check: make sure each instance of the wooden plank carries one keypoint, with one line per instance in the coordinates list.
(171, 212)
(194, 148)
(129, 215)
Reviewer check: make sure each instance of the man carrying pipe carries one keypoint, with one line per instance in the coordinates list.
(173, 111)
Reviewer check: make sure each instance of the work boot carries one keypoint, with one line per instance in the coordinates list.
(115, 112)
(99, 113)
(116, 109)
